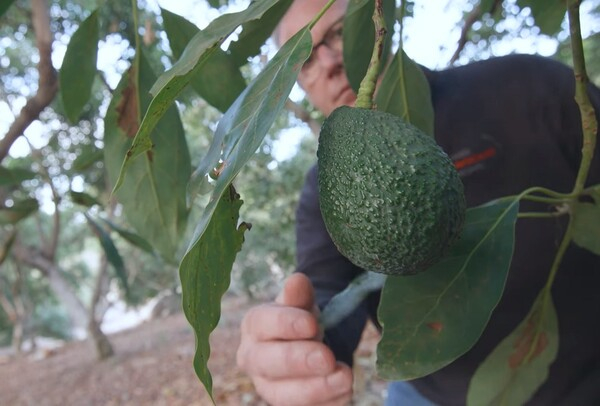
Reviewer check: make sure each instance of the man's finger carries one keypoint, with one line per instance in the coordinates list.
(274, 322)
(332, 389)
(297, 292)
(277, 360)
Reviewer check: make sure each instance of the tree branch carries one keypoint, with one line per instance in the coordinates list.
(47, 82)
(301, 114)
(472, 17)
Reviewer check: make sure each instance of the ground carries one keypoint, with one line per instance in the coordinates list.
(153, 366)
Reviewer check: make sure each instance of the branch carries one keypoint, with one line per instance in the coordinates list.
(301, 114)
(588, 118)
(47, 83)
(469, 21)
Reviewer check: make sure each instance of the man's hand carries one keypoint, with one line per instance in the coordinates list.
(281, 351)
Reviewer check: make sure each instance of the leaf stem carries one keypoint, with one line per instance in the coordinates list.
(364, 98)
(316, 18)
(589, 123)
(531, 215)
(137, 57)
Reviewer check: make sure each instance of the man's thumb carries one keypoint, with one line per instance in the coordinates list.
(297, 292)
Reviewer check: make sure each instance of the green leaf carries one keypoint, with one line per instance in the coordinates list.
(14, 176)
(486, 5)
(79, 67)
(205, 276)
(586, 222)
(88, 157)
(256, 32)
(343, 304)
(520, 364)
(432, 318)
(218, 80)
(359, 37)
(243, 127)
(5, 5)
(153, 198)
(83, 199)
(171, 83)
(131, 237)
(548, 15)
(18, 211)
(404, 91)
(112, 253)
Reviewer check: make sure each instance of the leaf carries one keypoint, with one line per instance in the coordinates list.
(14, 176)
(153, 198)
(171, 83)
(343, 304)
(520, 364)
(112, 254)
(83, 199)
(548, 15)
(218, 80)
(486, 5)
(359, 37)
(89, 156)
(18, 211)
(131, 237)
(214, 3)
(404, 91)
(586, 222)
(5, 5)
(245, 124)
(256, 32)
(79, 67)
(205, 276)
(432, 318)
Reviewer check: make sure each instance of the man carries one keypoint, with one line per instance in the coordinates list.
(509, 123)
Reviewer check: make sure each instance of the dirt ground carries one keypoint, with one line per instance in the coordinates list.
(153, 366)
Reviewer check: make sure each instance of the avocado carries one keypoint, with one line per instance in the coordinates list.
(391, 199)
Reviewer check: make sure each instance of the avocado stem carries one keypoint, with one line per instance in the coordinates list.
(366, 90)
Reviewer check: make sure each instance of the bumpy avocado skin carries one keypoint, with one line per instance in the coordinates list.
(390, 197)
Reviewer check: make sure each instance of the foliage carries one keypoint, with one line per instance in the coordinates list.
(129, 137)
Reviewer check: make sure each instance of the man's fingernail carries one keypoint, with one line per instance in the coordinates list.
(338, 380)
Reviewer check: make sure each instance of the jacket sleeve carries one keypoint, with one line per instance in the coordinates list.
(328, 270)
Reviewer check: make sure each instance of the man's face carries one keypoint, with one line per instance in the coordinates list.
(323, 77)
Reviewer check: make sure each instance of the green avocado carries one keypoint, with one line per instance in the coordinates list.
(390, 197)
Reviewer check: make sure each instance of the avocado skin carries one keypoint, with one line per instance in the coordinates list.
(390, 197)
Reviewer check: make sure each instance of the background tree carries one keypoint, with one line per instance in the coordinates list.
(79, 221)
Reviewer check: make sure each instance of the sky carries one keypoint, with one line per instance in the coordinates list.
(430, 39)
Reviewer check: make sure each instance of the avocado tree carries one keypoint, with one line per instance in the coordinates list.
(147, 160)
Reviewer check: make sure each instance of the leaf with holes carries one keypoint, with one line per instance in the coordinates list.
(245, 124)
(205, 276)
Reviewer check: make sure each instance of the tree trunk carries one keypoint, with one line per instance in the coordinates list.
(59, 286)
(104, 348)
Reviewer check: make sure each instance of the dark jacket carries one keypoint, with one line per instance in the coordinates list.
(508, 123)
